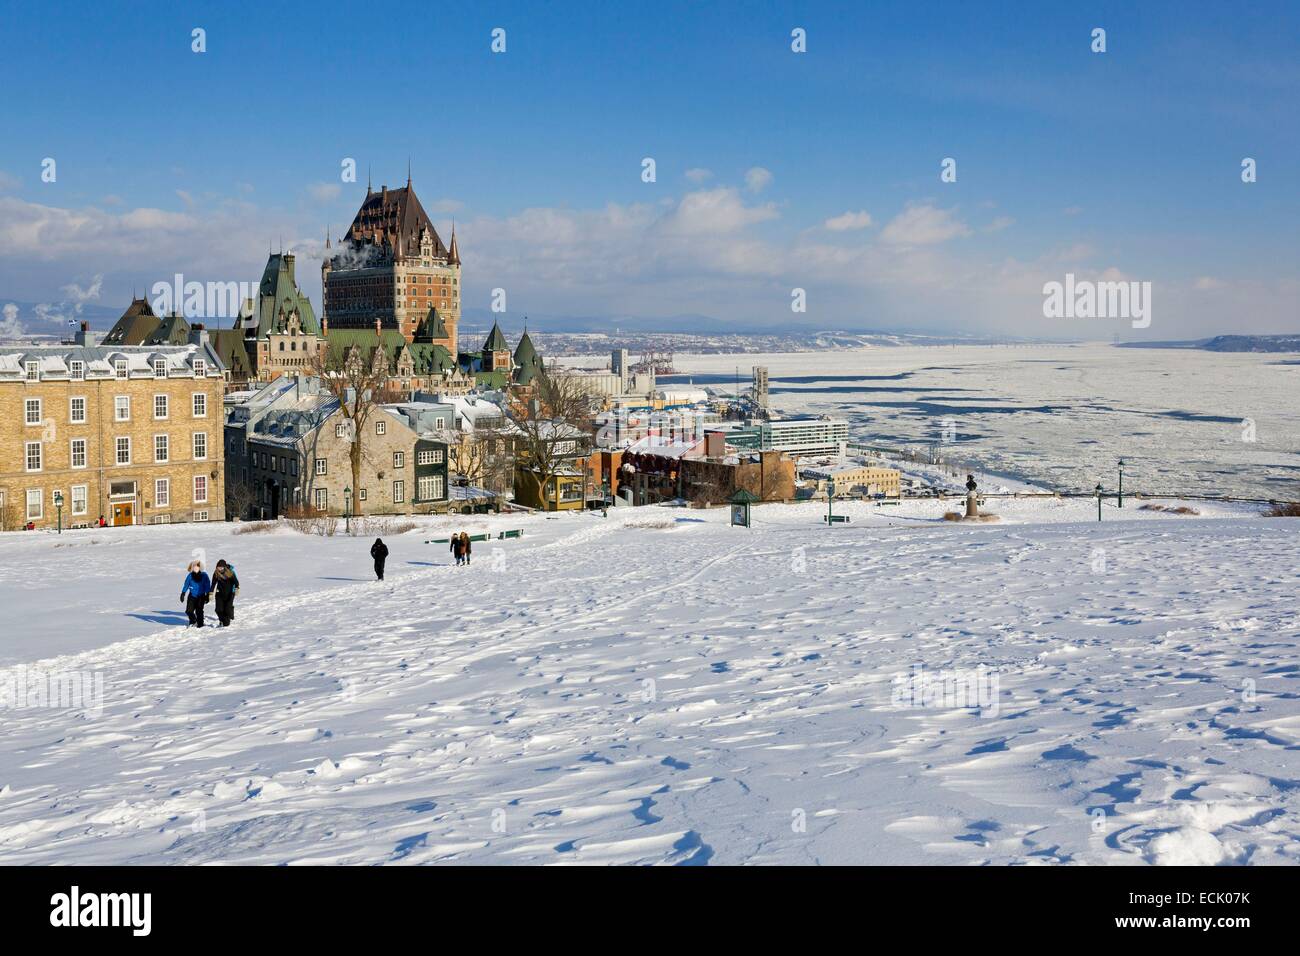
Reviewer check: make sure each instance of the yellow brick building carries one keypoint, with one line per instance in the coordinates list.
(133, 434)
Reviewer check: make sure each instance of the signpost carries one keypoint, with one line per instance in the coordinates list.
(740, 503)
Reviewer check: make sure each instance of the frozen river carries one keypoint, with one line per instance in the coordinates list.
(1184, 420)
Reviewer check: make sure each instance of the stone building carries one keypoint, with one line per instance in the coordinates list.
(288, 448)
(132, 433)
(392, 265)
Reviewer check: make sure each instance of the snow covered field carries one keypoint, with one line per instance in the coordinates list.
(660, 687)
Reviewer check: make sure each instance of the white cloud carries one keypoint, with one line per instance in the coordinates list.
(849, 221)
(757, 179)
(1208, 284)
(186, 198)
(698, 174)
(324, 192)
(923, 225)
(998, 224)
(713, 212)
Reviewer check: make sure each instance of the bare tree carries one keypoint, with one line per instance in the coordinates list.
(552, 424)
(485, 456)
(360, 383)
(240, 498)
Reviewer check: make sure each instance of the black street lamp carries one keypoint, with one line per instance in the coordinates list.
(1098, 501)
(1121, 482)
(58, 504)
(347, 510)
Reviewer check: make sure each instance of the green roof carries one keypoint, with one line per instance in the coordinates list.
(229, 346)
(431, 327)
(173, 330)
(496, 342)
(492, 380)
(426, 357)
(278, 296)
(525, 352)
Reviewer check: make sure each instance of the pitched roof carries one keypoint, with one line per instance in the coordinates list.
(395, 217)
(524, 351)
(229, 346)
(496, 342)
(278, 297)
(137, 323)
(172, 330)
(427, 358)
(431, 327)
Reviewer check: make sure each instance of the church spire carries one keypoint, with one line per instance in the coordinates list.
(453, 251)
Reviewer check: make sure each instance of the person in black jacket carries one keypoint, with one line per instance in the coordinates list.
(379, 551)
(457, 549)
(225, 585)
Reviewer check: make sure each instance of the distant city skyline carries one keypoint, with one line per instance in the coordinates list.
(774, 170)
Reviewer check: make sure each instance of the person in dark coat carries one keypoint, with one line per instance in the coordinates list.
(195, 591)
(457, 549)
(379, 551)
(465, 547)
(225, 585)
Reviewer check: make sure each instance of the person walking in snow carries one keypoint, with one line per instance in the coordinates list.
(195, 591)
(457, 549)
(225, 585)
(379, 551)
(465, 548)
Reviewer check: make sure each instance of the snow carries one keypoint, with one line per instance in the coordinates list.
(659, 687)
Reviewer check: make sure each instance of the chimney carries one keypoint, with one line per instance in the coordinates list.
(199, 334)
(287, 259)
(82, 336)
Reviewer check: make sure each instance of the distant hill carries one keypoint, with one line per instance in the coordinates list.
(1227, 343)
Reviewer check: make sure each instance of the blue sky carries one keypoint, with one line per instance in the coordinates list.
(1123, 164)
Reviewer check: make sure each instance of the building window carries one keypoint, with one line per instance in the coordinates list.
(200, 446)
(322, 464)
(293, 467)
(399, 459)
(160, 406)
(32, 455)
(200, 405)
(399, 492)
(123, 448)
(159, 448)
(429, 488)
(381, 428)
(78, 456)
(429, 456)
(340, 429)
(200, 516)
(160, 368)
(77, 410)
(79, 499)
(362, 496)
(76, 370)
(122, 408)
(162, 493)
(119, 368)
(200, 368)
(32, 411)
(33, 370)
(200, 489)
(35, 504)
(321, 498)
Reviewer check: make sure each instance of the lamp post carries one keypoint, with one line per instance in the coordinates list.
(1098, 492)
(830, 497)
(1121, 482)
(58, 505)
(347, 510)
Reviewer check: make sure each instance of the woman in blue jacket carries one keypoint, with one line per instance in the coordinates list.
(194, 592)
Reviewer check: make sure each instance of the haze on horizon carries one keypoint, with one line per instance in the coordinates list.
(774, 170)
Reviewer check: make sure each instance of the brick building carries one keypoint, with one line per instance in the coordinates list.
(132, 433)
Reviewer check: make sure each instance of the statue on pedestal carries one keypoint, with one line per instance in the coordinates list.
(972, 509)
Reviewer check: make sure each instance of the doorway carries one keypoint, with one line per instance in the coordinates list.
(123, 513)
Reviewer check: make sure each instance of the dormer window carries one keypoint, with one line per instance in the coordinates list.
(33, 371)
(200, 368)
(119, 368)
(76, 370)
(160, 368)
